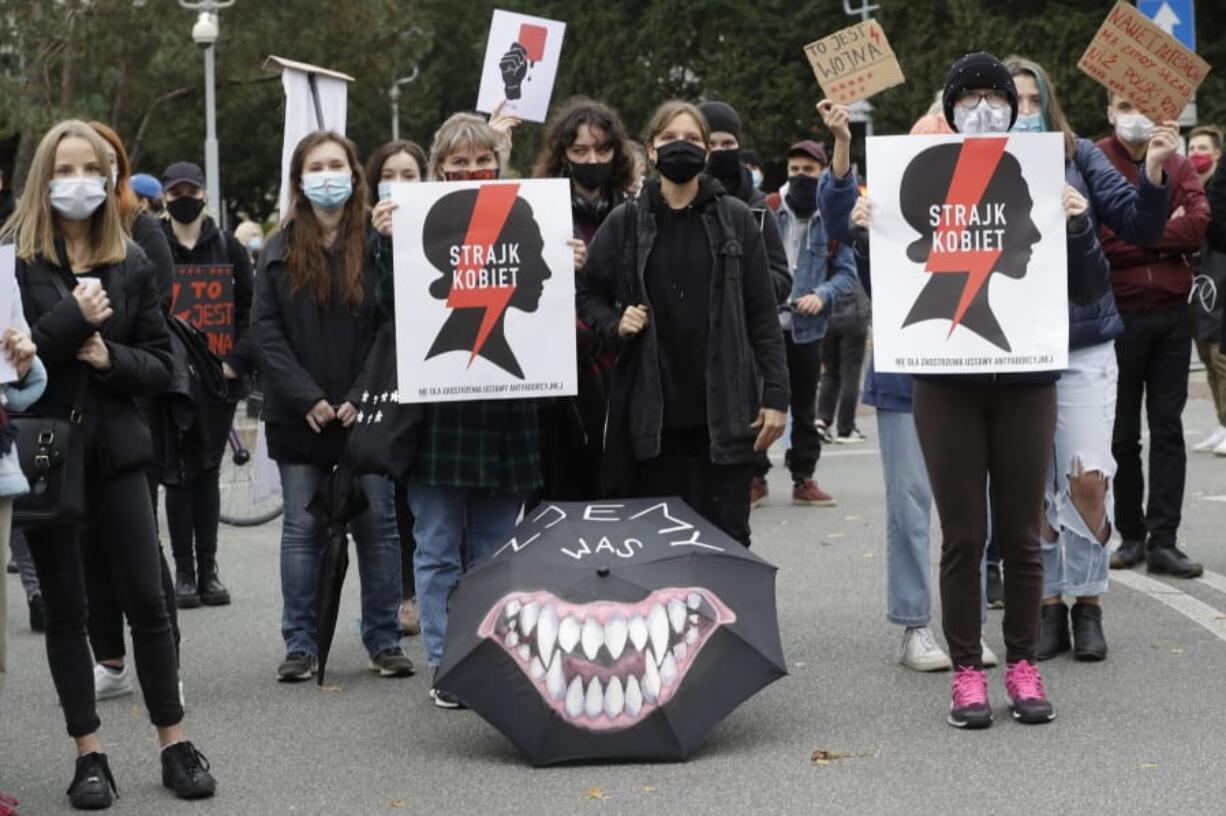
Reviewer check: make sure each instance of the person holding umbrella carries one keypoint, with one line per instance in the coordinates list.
(701, 382)
(315, 321)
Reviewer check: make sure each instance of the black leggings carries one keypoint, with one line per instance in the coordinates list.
(193, 510)
(121, 526)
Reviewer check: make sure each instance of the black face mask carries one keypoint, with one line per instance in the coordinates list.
(680, 161)
(185, 209)
(802, 195)
(725, 165)
(591, 176)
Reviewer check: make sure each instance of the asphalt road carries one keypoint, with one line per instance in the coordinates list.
(1144, 732)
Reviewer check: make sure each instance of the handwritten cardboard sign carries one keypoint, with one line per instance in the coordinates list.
(204, 296)
(854, 63)
(1139, 61)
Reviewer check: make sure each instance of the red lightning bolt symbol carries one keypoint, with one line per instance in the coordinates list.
(493, 205)
(976, 165)
(874, 34)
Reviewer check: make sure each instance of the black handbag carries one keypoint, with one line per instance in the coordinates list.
(51, 452)
(384, 438)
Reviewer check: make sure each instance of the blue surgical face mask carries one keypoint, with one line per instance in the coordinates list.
(1029, 123)
(385, 190)
(79, 197)
(756, 175)
(328, 190)
(256, 244)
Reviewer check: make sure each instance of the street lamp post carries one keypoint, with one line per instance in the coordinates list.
(394, 94)
(205, 33)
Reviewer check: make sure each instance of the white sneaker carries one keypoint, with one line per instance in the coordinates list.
(1220, 450)
(920, 651)
(989, 656)
(108, 684)
(1211, 442)
(856, 437)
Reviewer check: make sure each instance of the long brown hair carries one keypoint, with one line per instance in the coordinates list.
(1052, 112)
(129, 207)
(563, 129)
(32, 224)
(307, 260)
(374, 164)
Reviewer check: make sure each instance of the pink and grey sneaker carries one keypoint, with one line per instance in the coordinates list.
(1027, 699)
(969, 707)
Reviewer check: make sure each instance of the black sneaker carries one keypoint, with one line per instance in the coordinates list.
(296, 667)
(1170, 560)
(187, 594)
(212, 591)
(38, 614)
(444, 699)
(186, 772)
(1130, 553)
(1053, 631)
(93, 786)
(1088, 641)
(996, 588)
(392, 663)
(11, 567)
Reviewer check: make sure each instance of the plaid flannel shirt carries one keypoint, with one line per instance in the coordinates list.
(489, 445)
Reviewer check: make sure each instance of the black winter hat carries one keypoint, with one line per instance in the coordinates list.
(722, 117)
(979, 70)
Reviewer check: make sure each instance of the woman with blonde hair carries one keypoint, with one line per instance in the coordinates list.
(92, 304)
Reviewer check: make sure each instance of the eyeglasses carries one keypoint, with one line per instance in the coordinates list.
(971, 99)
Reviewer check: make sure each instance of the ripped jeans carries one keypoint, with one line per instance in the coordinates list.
(1076, 564)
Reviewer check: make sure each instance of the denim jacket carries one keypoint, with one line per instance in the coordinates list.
(810, 275)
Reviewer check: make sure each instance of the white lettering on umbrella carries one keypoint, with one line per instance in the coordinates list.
(516, 545)
(694, 542)
(602, 512)
(663, 508)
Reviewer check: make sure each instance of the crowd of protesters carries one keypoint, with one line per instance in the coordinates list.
(734, 314)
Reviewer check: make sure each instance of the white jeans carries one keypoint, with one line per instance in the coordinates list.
(1076, 563)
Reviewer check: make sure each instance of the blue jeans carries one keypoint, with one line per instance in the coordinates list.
(443, 518)
(303, 535)
(908, 508)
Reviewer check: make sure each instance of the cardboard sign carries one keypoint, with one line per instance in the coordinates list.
(521, 63)
(204, 297)
(854, 63)
(1142, 63)
(8, 284)
(969, 254)
(485, 290)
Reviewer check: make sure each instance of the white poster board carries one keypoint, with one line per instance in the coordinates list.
(485, 290)
(8, 285)
(969, 255)
(521, 63)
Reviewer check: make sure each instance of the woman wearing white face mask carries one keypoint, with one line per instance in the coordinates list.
(93, 307)
(315, 322)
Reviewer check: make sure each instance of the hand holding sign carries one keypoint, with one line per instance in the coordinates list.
(19, 351)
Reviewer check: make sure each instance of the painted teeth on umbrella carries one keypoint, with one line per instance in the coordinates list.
(634, 696)
(651, 679)
(527, 620)
(537, 669)
(594, 703)
(668, 669)
(676, 615)
(568, 633)
(657, 623)
(693, 600)
(680, 651)
(512, 639)
(615, 636)
(614, 699)
(574, 697)
(593, 638)
(694, 619)
(691, 636)
(513, 608)
(555, 681)
(638, 632)
(525, 652)
(546, 632)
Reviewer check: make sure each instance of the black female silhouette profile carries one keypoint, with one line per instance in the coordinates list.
(488, 247)
(960, 253)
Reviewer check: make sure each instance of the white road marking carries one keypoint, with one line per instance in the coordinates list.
(1214, 580)
(1194, 609)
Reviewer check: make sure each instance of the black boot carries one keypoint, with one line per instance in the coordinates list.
(38, 614)
(1130, 553)
(1053, 631)
(187, 595)
(1088, 641)
(186, 772)
(93, 786)
(212, 591)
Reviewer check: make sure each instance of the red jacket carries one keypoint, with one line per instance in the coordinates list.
(1157, 277)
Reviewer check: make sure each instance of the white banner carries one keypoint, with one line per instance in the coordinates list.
(485, 290)
(969, 255)
(521, 63)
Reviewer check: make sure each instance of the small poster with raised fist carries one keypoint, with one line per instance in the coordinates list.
(521, 62)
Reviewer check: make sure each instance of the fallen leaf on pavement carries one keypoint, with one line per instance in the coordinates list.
(824, 756)
(1177, 650)
(851, 518)
(834, 536)
(331, 689)
(649, 789)
(399, 803)
(1145, 766)
(595, 793)
(869, 556)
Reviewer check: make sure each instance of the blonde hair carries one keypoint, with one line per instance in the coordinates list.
(32, 225)
(463, 130)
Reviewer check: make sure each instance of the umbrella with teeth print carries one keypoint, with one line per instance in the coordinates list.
(623, 629)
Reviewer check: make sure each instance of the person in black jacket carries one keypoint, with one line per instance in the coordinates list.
(92, 304)
(679, 280)
(193, 500)
(315, 323)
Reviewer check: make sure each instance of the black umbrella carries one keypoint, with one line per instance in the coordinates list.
(616, 630)
(340, 499)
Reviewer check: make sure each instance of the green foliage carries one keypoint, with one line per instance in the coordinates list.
(136, 67)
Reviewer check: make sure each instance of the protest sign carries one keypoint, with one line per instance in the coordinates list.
(8, 282)
(203, 295)
(968, 252)
(854, 63)
(521, 62)
(485, 290)
(1136, 59)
